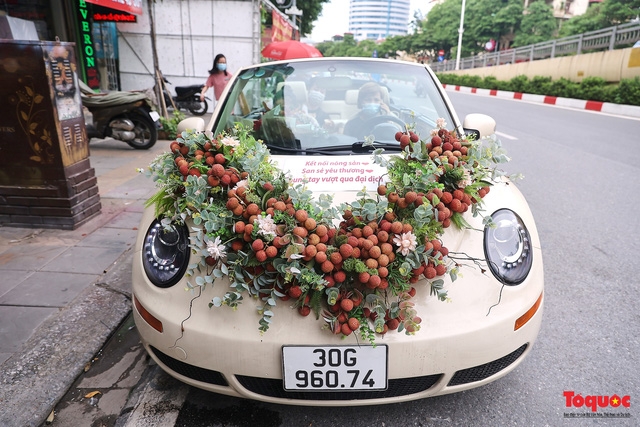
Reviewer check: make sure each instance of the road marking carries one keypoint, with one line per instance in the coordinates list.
(506, 136)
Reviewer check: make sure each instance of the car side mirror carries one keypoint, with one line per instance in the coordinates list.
(192, 123)
(479, 125)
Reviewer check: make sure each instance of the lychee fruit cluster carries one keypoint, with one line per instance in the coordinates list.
(349, 261)
(207, 162)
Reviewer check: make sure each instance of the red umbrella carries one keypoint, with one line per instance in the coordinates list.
(290, 49)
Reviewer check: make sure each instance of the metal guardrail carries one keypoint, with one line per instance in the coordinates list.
(604, 39)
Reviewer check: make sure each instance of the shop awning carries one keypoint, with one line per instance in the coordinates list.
(130, 6)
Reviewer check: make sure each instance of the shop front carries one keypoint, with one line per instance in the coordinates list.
(90, 24)
(46, 47)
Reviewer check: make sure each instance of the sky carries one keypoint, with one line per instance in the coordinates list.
(335, 18)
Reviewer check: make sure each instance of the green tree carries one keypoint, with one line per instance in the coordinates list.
(440, 29)
(339, 48)
(591, 20)
(390, 47)
(505, 17)
(618, 12)
(507, 20)
(311, 9)
(538, 25)
(419, 45)
(601, 15)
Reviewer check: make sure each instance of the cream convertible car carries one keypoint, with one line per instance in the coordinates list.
(330, 238)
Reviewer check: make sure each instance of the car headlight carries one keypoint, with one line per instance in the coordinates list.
(507, 247)
(165, 254)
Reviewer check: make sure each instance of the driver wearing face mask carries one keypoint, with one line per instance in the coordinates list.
(371, 101)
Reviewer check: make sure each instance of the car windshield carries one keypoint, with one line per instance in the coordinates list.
(326, 106)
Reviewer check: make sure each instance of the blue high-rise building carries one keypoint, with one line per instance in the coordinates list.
(378, 19)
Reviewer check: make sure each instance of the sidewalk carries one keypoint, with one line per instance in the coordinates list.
(64, 292)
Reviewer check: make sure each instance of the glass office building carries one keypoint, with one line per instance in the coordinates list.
(378, 19)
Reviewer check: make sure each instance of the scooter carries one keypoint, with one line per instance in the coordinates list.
(122, 115)
(188, 98)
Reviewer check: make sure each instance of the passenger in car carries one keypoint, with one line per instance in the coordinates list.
(315, 98)
(373, 101)
(294, 108)
(282, 124)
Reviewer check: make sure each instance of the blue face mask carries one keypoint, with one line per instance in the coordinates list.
(370, 109)
(221, 66)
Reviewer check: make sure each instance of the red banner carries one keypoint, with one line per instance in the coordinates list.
(130, 6)
(281, 30)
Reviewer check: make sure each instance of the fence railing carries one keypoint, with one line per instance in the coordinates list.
(606, 38)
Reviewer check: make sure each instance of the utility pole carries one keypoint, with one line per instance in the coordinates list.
(460, 31)
(156, 65)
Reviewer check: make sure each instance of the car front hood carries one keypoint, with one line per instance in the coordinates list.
(475, 294)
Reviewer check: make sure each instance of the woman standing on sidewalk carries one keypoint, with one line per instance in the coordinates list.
(218, 78)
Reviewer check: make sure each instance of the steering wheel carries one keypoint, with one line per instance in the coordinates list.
(386, 118)
(385, 127)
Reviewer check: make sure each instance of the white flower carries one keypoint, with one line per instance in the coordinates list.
(441, 123)
(433, 132)
(266, 225)
(406, 242)
(216, 249)
(241, 184)
(230, 141)
(465, 180)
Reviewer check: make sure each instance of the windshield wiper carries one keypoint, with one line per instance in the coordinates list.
(356, 147)
(361, 147)
(276, 149)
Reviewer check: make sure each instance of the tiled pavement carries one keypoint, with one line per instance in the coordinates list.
(64, 292)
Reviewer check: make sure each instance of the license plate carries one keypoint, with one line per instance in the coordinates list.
(331, 368)
(154, 116)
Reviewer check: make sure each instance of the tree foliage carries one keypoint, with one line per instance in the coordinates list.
(503, 20)
(311, 9)
(591, 20)
(440, 29)
(537, 25)
(601, 15)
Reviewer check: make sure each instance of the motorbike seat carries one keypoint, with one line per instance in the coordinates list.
(91, 99)
(188, 90)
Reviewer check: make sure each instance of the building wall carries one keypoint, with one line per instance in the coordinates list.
(189, 34)
(374, 19)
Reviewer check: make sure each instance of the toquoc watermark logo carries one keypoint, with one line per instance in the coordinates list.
(594, 402)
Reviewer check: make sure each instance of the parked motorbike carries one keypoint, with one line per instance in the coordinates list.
(187, 98)
(122, 115)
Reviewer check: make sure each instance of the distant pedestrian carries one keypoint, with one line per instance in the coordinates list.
(218, 77)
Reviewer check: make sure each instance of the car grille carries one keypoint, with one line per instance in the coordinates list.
(195, 373)
(396, 387)
(481, 372)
